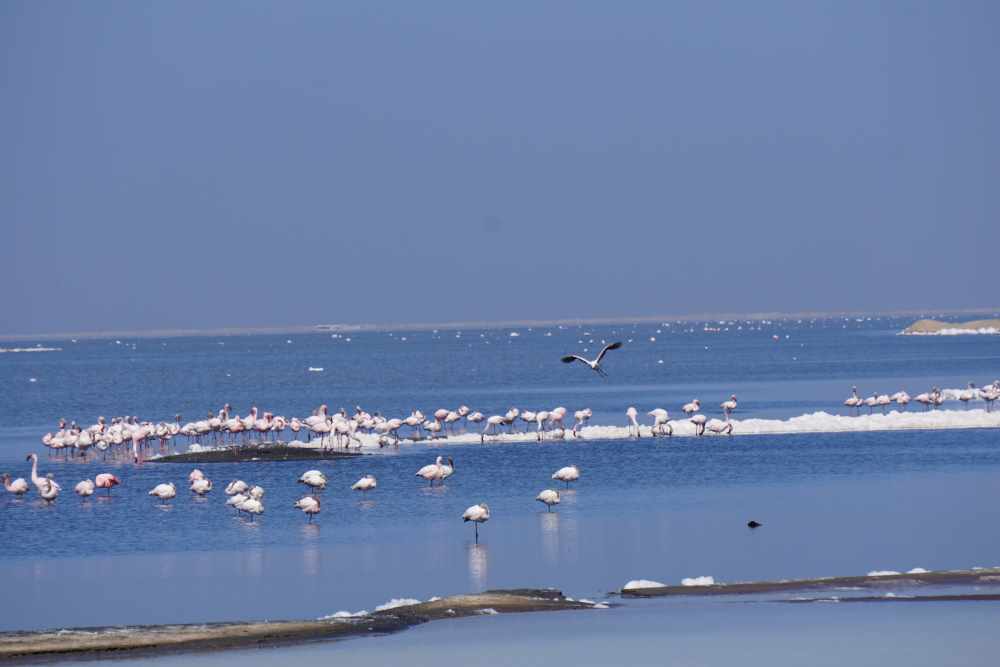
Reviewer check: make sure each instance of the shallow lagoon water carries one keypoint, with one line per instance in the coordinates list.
(832, 504)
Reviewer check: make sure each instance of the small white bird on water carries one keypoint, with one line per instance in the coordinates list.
(718, 426)
(366, 483)
(567, 474)
(314, 479)
(84, 488)
(477, 514)
(18, 487)
(309, 506)
(549, 497)
(235, 487)
(164, 491)
(595, 364)
(201, 486)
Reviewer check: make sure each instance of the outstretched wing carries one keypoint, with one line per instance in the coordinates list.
(609, 346)
(570, 358)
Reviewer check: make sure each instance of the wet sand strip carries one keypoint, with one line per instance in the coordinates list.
(958, 597)
(245, 453)
(105, 643)
(989, 576)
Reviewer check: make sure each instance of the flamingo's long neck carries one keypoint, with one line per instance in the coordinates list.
(35, 479)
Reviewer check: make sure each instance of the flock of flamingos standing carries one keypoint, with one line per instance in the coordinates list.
(128, 438)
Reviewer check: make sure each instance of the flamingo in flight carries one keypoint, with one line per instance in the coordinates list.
(595, 364)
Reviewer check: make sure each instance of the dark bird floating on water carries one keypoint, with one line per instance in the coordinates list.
(595, 365)
(753, 524)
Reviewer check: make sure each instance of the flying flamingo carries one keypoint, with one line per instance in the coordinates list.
(595, 364)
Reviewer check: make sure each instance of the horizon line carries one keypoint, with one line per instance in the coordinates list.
(479, 324)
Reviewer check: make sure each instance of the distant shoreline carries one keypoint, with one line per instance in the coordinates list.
(477, 324)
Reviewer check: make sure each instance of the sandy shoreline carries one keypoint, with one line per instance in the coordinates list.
(99, 643)
(976, 577)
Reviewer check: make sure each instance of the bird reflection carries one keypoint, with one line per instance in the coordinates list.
(549, 523)
(310, 531)
(310, 560)
(478, 565)
(366, 505)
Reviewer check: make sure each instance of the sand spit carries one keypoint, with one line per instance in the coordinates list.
(970, 597)
(939, 328)
(990, 576)
(97, 643)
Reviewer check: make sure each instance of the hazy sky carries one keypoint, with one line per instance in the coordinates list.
(188, 164)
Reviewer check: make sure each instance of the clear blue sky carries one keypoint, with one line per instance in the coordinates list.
(187, 164)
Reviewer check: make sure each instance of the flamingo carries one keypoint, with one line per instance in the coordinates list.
(164, 491)
(493, 423)
(989, 394)
(447, 469)
(883, 400)
(540, 418)
(18, 487)
(595, 364)
(968, 394)
(201, 486)
(196, 474)
(235, 487)
(432, 471)
(252, 506)
(309, 506)
(699, 424)
(42, 484)
(50, 489)
(854, 401)
(477, 514)
(106, 480)
(567, 474)
(633, 423)
(692, 407)
(556, 416)
(549, 497)
(901, 398)
(661, 422)
(718, 426)
(528, 417)
(366, 483)
(924, 399)
(84, 488)
(510, 417)
(236, 500)
(581, 417)
(729, 407)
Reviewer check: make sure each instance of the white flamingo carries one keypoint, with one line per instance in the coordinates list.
(901, 398)
(164, 491)
(309, 505)
(718, 426)
(729, 407)
(567, 474)
(431, 472)
(18, 487)
(967, 395)
(548, 497)
(201, 486)
(699, 424)
(633, 423)
(854, 401)
(692, 407)
(493, 423)
(84, 488)
(366, 483)
(661, 422)
(581, 417)
(477, 514)
(235, 487)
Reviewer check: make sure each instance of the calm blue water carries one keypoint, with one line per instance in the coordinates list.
(831, 504)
